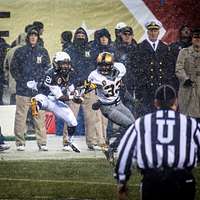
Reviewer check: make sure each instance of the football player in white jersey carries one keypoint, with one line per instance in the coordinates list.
(107, 79)
(53, 93)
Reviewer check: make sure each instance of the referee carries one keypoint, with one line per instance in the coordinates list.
(165, 146)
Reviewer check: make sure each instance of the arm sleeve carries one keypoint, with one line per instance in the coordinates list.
(180, 71)
(197, 141)
(126, 151)
(45, 67)
(15, 67)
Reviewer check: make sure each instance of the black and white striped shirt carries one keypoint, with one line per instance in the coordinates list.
(162, 139)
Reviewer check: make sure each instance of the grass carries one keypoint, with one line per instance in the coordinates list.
(63, 179)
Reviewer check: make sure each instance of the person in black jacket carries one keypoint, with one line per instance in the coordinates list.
(66, 39)
(184, 41)
(3, 50)
(125, 52)
(154, 67)
(29, 63)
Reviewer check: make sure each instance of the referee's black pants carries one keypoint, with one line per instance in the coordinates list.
(168, 185)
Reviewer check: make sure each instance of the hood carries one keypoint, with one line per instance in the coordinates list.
(80, 30)
(100, 33)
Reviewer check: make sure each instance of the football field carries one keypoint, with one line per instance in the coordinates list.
(59, 175)
(80, 178)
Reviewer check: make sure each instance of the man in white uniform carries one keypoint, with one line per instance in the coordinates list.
(107, 79)
(55, 91)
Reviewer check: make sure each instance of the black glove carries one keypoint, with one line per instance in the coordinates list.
(188, 83)
(96, 105)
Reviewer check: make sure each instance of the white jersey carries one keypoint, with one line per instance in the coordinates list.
(108, 86)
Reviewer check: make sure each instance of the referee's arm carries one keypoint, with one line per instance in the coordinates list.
(197, 141)
(126, 154)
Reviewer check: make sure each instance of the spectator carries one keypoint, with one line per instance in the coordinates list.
(66, 39)
(118, 28)
(183, 42)
(165, 146)
(10, 84)
(125, 52)
(154, 68)
(39, 26)
(15, 42)
(3, 50)
(95, 125)
(29, 63)
(102, 43)
(188, 73)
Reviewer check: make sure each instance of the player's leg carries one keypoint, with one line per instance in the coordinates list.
(118, 114)
(75, 109)
(64, 112)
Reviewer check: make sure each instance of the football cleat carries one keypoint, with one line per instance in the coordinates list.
(4, 147)
(109, 153)
(66, 148)
(74, 148)
(34, 107)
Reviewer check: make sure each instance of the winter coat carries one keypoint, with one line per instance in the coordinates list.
(81, 58)
(126, 54)
(188, 67)
(3, 50)
(29, 63)
(9, 80)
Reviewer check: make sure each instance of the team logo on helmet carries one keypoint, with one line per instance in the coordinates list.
(62, 62)
(105, 63)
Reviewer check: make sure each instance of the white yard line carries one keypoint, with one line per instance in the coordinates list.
(62, 181)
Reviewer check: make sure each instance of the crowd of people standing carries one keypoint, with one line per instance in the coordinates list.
(148, 64)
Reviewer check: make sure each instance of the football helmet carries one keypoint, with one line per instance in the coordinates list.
(105, 63)
(62, 62)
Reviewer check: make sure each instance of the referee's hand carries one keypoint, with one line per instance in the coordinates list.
(122, 192)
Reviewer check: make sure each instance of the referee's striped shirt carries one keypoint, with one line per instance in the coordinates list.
(162, 139)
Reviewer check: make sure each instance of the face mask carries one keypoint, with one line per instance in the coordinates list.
(80, 41)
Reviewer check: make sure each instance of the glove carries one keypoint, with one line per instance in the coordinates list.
(122, 193)
(96, 105)
(56, 91)
(77, 98)
(188, 83)
(32, 85)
